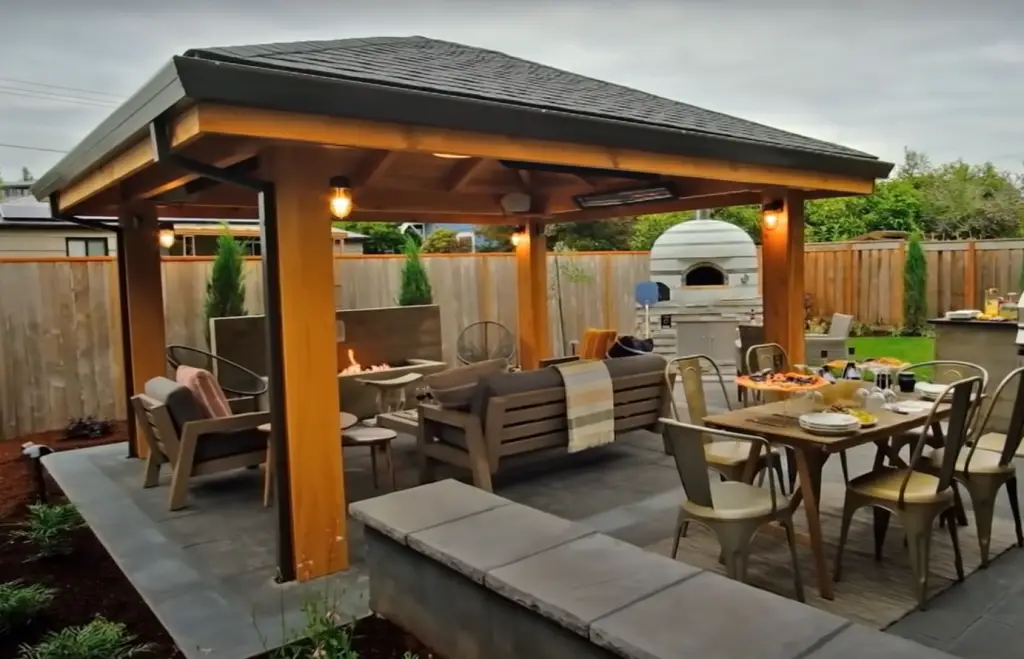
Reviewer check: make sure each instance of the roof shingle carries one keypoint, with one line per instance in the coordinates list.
(460, 70)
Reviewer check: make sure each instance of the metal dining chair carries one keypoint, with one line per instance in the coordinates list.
(916, 497)
(983, 472)
(732, 510)
(727, 458)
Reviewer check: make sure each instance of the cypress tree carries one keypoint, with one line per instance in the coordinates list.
(225, 290)
(415, 284)
(915, 281)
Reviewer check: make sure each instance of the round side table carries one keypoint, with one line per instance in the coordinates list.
(347, 421)
(377, 439)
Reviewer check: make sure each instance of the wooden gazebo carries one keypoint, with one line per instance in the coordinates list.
(414, 130)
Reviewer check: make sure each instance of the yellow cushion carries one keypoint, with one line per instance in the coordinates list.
(885, 484)
(732, 500)
(982, 462)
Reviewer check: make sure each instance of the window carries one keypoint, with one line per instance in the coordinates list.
(704, 274)
(87, 246)
(664, 294)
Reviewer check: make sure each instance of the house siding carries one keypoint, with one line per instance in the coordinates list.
(46, 243)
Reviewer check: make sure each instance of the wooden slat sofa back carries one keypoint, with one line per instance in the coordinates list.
(515, 414)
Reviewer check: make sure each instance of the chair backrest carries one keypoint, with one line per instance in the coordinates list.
(690, 372)
(526, 411)
(945, 371)
(1015, 430)
(750, 335)
(766, 355)
(840, 326)
(162, 411)
(233, 378)
(687, 442)
(965, 395)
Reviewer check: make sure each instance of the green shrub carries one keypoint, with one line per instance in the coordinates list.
(225, 290)
(415, 284)
(48, 527)
(99, 639)
(19, 603)
(915, 282)
(325, 635)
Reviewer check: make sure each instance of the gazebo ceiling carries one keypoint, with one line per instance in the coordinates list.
(396, 107)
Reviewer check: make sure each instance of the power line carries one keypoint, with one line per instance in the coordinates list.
(65, 88)
(52, 96)
(30, 148)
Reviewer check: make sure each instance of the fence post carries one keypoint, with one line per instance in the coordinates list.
(849, 298)
(971, 276)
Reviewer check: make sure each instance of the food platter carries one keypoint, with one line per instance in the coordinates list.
(782, 382)
(878, 363)
(867, 419)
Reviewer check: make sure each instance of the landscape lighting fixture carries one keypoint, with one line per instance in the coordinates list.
(625, 197)
(770, 213)
(165, 236)
(341, 197)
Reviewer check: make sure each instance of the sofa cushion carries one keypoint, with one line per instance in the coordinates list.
(181, 404)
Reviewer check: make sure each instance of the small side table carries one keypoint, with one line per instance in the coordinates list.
(347, 421)
(377, 439)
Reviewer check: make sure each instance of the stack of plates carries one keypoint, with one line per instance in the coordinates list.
(929, 391)
(829, 423)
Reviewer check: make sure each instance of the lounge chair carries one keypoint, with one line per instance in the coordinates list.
(180, 431)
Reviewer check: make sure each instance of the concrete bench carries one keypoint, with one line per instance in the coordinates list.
(475, 576)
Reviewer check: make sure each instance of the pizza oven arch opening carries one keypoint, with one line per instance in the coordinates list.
(705, 274)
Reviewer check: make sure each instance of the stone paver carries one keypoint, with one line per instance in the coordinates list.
(856, 642)
(583, 580)
(479, 543)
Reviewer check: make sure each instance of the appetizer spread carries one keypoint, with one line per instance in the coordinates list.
(770, 381)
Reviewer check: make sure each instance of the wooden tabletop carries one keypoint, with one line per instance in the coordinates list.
(779, 422)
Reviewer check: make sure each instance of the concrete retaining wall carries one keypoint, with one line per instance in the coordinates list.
(475, 576)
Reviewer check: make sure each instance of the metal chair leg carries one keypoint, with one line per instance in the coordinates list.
(849, 508)
(983, 500)
(681, 526)
(958, 559)
(844, 466)
(798, 584)
(881, 525)
(1011, 492)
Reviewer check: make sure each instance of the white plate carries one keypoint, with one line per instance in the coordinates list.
(909, 406)
(930, 390)
(832, 432)
(828, 420)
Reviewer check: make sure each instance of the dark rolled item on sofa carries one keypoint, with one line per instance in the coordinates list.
(630, 346)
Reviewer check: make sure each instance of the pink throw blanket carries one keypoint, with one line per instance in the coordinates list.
(206, 389)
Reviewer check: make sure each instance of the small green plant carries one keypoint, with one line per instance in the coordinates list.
(48, 527)
(915, 282)
(99, 639)
(325, 635)
(415, 287)
(20, 603)
(225, 290)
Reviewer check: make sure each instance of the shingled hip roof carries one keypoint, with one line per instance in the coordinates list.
(420, 81)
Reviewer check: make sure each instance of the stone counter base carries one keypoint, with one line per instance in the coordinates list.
(475, 576)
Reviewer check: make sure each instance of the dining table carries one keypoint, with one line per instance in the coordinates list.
(778, 422)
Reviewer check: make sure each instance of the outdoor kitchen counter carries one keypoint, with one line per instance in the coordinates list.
(990, 344)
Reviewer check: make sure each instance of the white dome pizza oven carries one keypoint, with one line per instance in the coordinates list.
(706, 272)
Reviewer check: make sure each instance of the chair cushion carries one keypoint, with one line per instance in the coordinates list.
(181, 404)
(226, 444)
(994, 441)
(734, 500)
(885, 484)
(730, 453)
(454, 388)
(206, 389)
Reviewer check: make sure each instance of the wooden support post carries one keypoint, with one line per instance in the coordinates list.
(782, 253)
(145, 343)
(304, 370)
(532, 287)
(971, 275)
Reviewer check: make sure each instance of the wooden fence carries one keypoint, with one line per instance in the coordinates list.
(60, 346)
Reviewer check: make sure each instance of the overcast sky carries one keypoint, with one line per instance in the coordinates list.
(940, 76)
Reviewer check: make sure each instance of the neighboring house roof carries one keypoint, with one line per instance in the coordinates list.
(426, 82)
(27, 213)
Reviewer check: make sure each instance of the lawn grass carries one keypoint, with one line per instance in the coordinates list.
(912, 349)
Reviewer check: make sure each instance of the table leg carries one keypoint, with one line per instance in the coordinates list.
(809, 465)
(373, 464)
(390, 457)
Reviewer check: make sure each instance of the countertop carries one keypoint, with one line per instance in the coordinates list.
(1009, 324)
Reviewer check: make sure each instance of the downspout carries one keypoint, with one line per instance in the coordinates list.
(122, 286)
(272, 292)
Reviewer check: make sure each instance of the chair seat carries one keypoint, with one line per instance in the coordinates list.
(736, 501)
(885, 484)
(728, 453)
(215, 446)
(994, 441)
(982, 462)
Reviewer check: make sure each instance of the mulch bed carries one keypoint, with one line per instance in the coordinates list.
(90, 584)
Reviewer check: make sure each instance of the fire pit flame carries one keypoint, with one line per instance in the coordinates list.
(355, 367)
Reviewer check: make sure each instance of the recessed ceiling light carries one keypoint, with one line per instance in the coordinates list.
(451, 155)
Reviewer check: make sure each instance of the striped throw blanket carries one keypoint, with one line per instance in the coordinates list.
(589, 404)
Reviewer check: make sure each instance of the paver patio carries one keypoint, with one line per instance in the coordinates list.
(208, 570)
